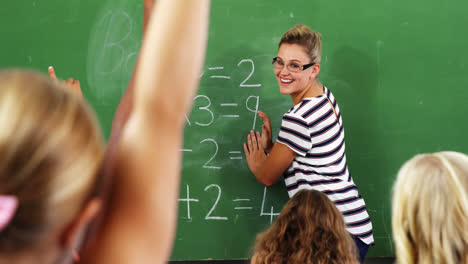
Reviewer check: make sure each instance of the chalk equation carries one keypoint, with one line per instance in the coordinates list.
(215, 73)
(238, 204)
(207, 115)
(114, 46)
(205, 106)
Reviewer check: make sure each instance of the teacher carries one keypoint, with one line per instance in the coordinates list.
(310, 147)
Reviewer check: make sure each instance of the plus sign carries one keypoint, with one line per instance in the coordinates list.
(188, 200)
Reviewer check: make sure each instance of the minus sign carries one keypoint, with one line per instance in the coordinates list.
(185, 150)
(243, 208)
(230, 116)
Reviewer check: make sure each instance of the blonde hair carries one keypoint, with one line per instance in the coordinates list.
(310, 229)
(51, 150)
(310, 40)
(430, 209)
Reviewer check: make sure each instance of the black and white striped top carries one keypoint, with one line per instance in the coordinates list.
(316, 134)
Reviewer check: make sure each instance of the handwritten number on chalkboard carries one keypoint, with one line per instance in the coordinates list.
(254, 111)
(209, 216)
(206, 108)
(250, 75)
(212, 157)
(271, 214)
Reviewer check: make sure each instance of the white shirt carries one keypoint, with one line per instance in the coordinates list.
(316, 134)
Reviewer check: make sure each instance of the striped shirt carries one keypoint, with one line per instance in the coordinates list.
(312, 130)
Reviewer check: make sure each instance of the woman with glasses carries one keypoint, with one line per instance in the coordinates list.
(310, 148)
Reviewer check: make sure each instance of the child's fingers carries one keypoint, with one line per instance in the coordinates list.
(246, 150)
(52, 75)
(76, 86)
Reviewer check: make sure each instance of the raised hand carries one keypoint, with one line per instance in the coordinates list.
(73, 85)
(267, 144)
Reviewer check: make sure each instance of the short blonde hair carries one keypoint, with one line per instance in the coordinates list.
(430, 209)
(310, 40)
(51, 150)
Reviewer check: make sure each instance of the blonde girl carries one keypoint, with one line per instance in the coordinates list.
(430, 209)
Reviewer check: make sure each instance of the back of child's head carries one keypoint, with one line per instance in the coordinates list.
(50, 149)
(310, 229)
(430, 209)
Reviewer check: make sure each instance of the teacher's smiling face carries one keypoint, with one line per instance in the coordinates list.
(293, 70)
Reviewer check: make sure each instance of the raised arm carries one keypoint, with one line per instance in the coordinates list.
(140, 223)
(126, 103)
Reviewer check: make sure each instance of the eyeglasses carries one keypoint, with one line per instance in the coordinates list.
(292, 67)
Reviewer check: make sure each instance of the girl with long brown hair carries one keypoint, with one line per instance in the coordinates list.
(310, 229)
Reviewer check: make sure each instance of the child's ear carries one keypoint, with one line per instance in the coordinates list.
(84, 217)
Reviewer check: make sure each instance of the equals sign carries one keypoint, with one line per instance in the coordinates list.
(242, 208)
(229, 105)
(235, 155)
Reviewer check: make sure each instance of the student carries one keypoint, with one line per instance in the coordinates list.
(430, 209)
(52, 149)
(70, 83)
(310, 148)
(309, 229)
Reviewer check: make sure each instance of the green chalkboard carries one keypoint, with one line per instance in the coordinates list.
(398, 69)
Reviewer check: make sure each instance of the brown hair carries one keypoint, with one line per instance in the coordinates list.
(310, 40)
(310, 229)
(51, 150)
(430, 209)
